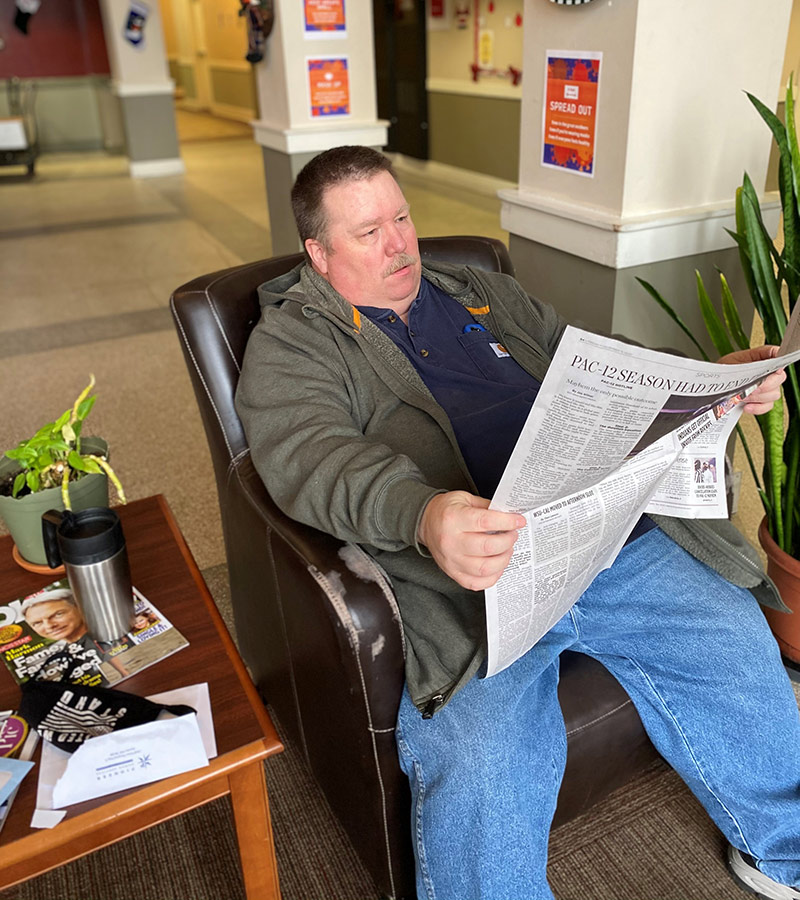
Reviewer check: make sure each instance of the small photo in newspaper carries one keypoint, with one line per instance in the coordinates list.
(705, 470)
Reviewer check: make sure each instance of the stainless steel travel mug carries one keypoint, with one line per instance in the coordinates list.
(91, 545)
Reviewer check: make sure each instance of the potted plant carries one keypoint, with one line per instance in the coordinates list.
(57, 468)
(773, 281)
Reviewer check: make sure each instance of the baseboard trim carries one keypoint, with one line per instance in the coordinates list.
(156, 168)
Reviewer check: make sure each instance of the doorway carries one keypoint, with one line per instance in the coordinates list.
(401, 69)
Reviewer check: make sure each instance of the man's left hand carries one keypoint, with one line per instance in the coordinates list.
(764, 396)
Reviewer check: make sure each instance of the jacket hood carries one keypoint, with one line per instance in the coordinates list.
(304, 285)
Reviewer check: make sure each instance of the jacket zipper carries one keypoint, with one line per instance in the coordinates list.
(433, 705)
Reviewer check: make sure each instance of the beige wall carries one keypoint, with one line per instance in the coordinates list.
(451, 50)
(595, 27)
(462, 112)
(791, 62)
(206, 42)
(170, 31)
(226, 30)
(476, 133)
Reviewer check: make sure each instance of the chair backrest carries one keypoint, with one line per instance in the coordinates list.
(215, 314)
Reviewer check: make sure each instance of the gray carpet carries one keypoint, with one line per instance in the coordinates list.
(650, 840)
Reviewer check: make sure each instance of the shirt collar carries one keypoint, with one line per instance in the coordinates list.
(381, 313)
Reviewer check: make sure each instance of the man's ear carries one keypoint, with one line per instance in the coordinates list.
(318, 255)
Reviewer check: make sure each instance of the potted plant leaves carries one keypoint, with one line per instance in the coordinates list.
(57, 468)
(773, 281)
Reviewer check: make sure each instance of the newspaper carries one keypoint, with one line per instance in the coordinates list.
(616, 430)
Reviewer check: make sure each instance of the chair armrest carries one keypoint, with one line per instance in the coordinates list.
(319, 628)
(329, 596)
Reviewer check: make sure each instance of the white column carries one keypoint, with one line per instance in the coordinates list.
(286, 129)
(145, 90)
(674, 134)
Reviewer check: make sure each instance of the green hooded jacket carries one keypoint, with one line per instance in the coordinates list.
(348, 439)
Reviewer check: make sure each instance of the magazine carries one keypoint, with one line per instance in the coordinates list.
(47, 640)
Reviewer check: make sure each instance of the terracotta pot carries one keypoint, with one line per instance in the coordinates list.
(784, 570)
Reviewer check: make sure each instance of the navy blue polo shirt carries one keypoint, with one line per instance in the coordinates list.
(486, 394)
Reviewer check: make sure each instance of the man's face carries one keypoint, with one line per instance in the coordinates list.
(56, 620)
(372, 255)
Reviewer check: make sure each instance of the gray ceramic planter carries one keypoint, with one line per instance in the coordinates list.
(23, 515)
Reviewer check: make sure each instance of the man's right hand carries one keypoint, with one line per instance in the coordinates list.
(469, 542)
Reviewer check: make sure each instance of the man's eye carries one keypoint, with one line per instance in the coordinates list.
(402, 218)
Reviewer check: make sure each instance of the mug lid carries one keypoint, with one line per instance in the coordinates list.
(90, 535)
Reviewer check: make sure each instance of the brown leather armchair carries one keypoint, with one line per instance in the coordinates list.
(309, 610)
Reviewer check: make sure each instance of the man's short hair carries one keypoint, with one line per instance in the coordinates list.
(48, 597)
(340, 164)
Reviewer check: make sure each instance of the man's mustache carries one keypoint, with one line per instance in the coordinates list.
(404, 259)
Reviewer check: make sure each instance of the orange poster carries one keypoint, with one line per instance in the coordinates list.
(326, 16)
(570, 110)
(329, 87)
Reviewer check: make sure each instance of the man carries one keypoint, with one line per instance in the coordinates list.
(381, 400)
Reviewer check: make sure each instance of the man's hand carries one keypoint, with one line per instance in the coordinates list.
(764, 396)
(469, 542)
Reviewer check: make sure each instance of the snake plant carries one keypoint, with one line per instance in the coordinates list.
(773, 281)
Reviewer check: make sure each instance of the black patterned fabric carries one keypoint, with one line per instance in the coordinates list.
(68, 714)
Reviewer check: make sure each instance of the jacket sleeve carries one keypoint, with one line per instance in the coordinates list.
(294, 400)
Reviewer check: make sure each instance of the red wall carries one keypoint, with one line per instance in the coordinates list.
(65, 37)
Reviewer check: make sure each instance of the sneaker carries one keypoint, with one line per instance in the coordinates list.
(743, 869)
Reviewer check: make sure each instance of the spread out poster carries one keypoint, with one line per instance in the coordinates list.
(569, 121)
(329, 87)
(324, 18)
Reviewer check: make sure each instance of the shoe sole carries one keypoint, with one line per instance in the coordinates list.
(744, 885)
(745, 880)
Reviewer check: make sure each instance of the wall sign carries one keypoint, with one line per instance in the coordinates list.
(486, 48)
(135, 22)
(569, 119)
(438, 15)
(328, 86)
(324, 19)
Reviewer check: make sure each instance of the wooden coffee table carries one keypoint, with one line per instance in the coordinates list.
(163, 569)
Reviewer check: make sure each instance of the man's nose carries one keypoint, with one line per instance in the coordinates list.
(395, 241)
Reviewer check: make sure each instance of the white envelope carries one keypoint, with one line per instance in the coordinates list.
(63, 781)
(129, 758)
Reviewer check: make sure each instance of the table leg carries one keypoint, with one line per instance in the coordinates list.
(254, 831)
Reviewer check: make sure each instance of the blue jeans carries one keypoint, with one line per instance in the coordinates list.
(697, 659)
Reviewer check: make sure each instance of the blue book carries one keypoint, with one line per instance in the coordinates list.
(12, 771)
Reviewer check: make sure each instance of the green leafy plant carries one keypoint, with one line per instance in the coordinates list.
(53, 457)
(773, 282)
